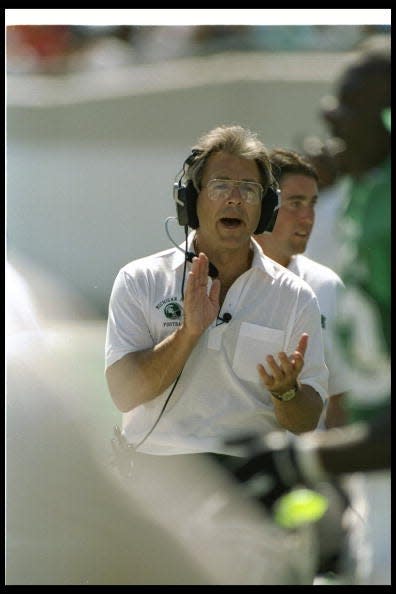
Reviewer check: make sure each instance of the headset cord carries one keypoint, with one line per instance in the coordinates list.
(182, 296)
(186, 259)
(160, 415)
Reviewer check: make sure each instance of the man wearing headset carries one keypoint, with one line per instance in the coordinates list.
(246, 350)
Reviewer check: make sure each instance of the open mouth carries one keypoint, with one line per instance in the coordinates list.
(230, 223)
(303, 234)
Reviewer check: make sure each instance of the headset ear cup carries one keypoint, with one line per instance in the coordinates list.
(271, 223)
(186, 196)
(269, 211)
(191, 205)
(180, 195)
(186, 205)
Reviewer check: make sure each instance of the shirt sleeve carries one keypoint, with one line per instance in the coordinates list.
(127, 328)
(314, 372)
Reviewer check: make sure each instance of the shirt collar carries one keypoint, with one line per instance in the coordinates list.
(260, 260)
(263, 262)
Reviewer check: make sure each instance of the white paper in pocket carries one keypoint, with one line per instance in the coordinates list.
(253, 345)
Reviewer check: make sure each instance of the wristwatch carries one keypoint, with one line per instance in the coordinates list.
(286, 396)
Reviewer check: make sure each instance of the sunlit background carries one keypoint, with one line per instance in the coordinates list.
(100, 118)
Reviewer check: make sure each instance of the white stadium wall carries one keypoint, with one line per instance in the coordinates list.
(91, 159)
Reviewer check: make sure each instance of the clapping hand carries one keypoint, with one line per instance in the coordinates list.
(200, 307)
(283, 374)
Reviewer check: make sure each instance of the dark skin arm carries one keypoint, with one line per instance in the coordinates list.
(356, 448)
(335, 413)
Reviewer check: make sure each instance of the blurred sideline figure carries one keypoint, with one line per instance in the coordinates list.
(360, 118)
(298, 181)
(326, 157)
(72, 518)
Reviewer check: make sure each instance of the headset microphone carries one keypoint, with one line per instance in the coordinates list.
(227, 317)
(213, 272)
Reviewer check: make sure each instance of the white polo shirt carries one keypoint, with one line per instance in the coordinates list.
(327, 286)
(219, 390)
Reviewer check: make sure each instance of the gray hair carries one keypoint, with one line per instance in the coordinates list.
(235, 140)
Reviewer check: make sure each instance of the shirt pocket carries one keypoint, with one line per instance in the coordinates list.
(253, 345)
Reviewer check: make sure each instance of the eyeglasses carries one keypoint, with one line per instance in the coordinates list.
(221, 189)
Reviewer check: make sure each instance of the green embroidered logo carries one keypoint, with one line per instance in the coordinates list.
(173, 311)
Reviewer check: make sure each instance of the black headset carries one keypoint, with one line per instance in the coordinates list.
(185, 196)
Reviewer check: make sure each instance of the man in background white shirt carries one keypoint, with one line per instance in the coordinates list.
(298, 182)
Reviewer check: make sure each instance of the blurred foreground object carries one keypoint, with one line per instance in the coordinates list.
(68, 520)
(71, 519)
(273, 467)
